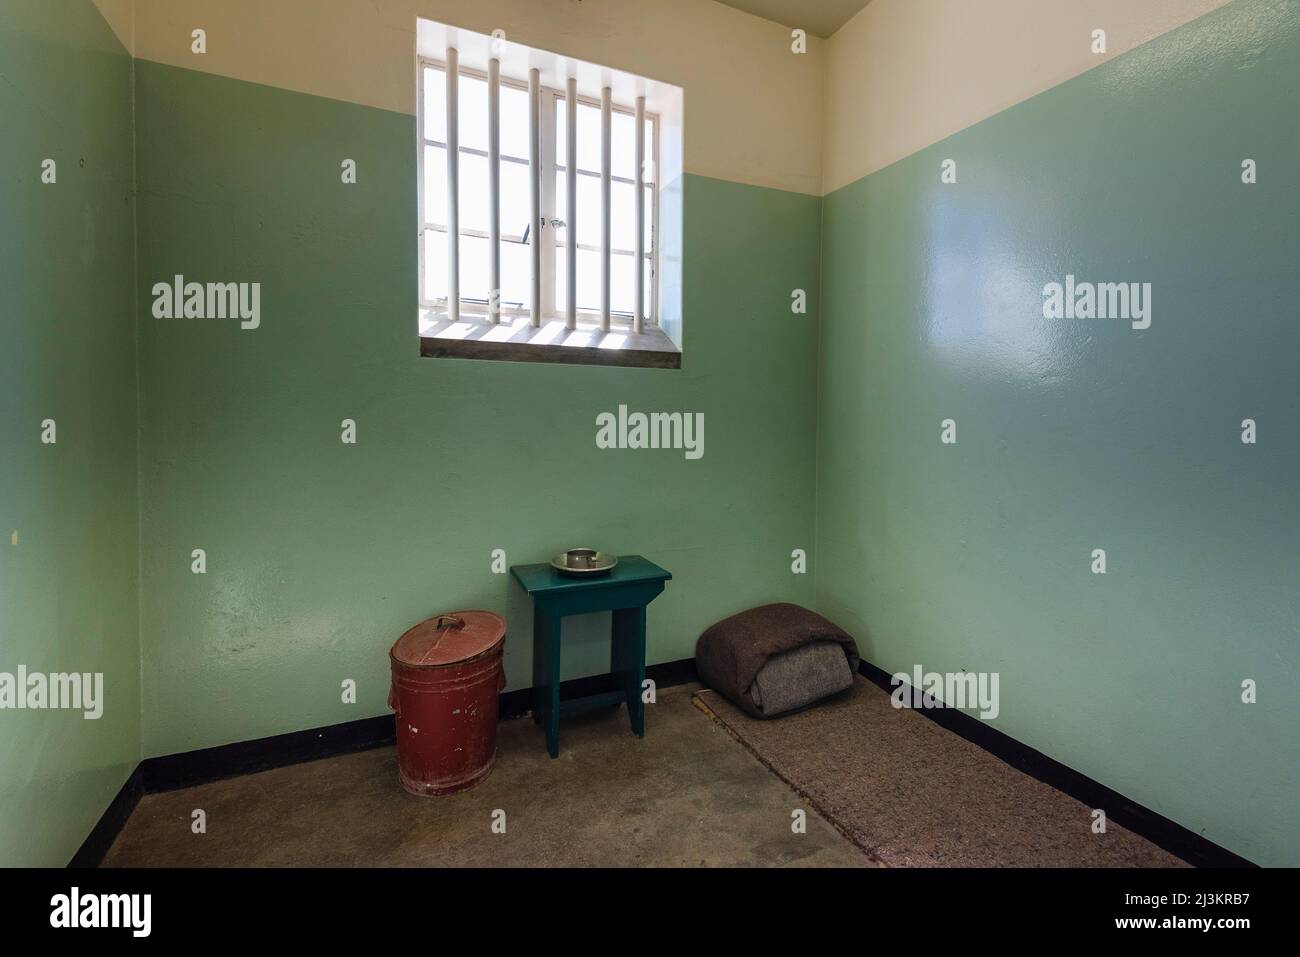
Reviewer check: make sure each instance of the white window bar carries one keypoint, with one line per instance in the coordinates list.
(638, 325)
(453, 185)
(535, 188)
(605, 211)
(494, 191)
(550, 213)
(571, 214)
(421, 148)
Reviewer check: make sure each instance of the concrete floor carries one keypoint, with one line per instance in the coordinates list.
(685, 795)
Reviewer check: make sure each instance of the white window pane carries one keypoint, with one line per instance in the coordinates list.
(435, 265)
(589, 210)
(649, 218)
(588, 138)
(622, 149)
(473, 113)
(561, 206)
(622, 197)
(516, 199)
(648, 169)
(475, 207)
(561, 280)
(435, 104)
(622, 283)
(514, 122)
(588, 135)
(473, 268)
(588, 280)
(561, 126)
(647, 297)
(475, 195)
(516, 275)
(435, 185)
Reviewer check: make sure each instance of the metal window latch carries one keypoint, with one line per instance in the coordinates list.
(557, 223)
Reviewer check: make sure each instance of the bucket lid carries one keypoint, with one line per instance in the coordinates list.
(449, 639)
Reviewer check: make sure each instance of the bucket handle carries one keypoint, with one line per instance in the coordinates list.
(454, 621)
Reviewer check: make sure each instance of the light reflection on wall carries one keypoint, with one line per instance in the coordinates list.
(982, 303)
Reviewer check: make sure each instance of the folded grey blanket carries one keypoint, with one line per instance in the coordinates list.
(731, 654)
(796, 678)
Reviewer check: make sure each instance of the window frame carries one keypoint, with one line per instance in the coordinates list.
(551, 100)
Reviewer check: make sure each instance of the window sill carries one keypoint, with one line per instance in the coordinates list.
(517, 341)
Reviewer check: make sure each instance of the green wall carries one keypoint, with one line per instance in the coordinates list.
(68, 589)
(320, 554)
(1076, 434)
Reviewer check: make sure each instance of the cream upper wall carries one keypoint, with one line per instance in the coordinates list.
(753, 108)
(120, 15)
(903, 74)
(899, 76)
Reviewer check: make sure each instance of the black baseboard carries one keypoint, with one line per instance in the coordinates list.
(173, 771)
(187, 769)
(1159, 830)
(105, 832)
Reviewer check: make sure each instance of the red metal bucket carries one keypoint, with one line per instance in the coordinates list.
(447, 673)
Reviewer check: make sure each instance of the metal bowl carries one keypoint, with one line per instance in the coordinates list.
(583, 563)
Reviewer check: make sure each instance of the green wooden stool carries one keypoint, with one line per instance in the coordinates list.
(625, 591)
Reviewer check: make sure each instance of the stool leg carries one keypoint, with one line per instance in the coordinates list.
(628, 660)
(539, 668)
(546, 677)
